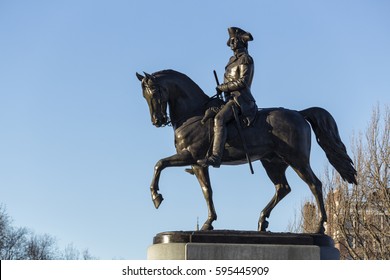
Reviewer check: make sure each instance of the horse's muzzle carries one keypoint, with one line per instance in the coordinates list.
(159, 121)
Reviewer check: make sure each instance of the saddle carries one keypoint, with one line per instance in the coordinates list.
(245, 121)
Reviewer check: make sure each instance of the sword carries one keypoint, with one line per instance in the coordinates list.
(235, 114)
(219, 94)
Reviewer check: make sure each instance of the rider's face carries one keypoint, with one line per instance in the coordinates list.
(233, 43)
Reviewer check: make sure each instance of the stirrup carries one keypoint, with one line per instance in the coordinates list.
(213, 160)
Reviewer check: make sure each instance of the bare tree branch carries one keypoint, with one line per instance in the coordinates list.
(359, 215)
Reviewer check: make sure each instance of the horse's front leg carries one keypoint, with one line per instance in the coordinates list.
(180, 159)
(202, 174)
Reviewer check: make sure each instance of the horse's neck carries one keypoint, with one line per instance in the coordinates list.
(185, 102)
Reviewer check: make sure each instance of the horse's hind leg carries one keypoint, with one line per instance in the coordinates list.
(202, 174)
(307, 175)
(276, 172)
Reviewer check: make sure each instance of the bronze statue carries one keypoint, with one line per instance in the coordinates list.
(277, 137)
(237, 90)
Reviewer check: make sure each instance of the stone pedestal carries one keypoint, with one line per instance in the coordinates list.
(241, 245)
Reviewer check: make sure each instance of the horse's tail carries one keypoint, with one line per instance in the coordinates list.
(327, 136)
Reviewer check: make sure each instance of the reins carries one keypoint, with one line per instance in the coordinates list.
(169, 121)
(161, 103)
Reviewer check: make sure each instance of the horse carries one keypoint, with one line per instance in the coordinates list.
(279, 138)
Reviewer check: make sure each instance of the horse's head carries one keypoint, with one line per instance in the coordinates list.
(157, 98)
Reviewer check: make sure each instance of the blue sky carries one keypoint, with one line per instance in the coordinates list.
(77, 148)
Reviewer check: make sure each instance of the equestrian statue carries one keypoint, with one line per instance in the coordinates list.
(229, 129)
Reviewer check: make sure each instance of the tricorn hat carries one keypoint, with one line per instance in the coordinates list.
(235, 32)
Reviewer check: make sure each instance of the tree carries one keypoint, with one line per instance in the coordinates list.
(307, 220)
(359, 215)
(72, 253)
(19, 243)
(12, 239)
(87, 255)
(41, 247)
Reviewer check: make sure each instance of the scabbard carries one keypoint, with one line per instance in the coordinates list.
(239, 129)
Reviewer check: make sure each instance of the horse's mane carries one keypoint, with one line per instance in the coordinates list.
(180, 78)
(167, 71)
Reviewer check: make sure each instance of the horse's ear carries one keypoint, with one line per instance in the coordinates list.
(140, 77)
(148, 76)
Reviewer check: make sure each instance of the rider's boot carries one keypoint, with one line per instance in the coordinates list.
(215, 159)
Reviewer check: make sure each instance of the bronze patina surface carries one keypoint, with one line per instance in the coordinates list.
(206, 134)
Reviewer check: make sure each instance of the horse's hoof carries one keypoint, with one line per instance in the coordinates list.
(157, 200)
(263, 226)
(207, 227)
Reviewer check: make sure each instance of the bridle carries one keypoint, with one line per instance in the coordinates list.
(155, 91)
(156, 95)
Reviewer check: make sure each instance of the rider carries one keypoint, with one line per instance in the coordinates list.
(237, 82)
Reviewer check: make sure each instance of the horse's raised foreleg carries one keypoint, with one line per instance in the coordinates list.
(202, 174)
(276, 172)
(180, 159)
